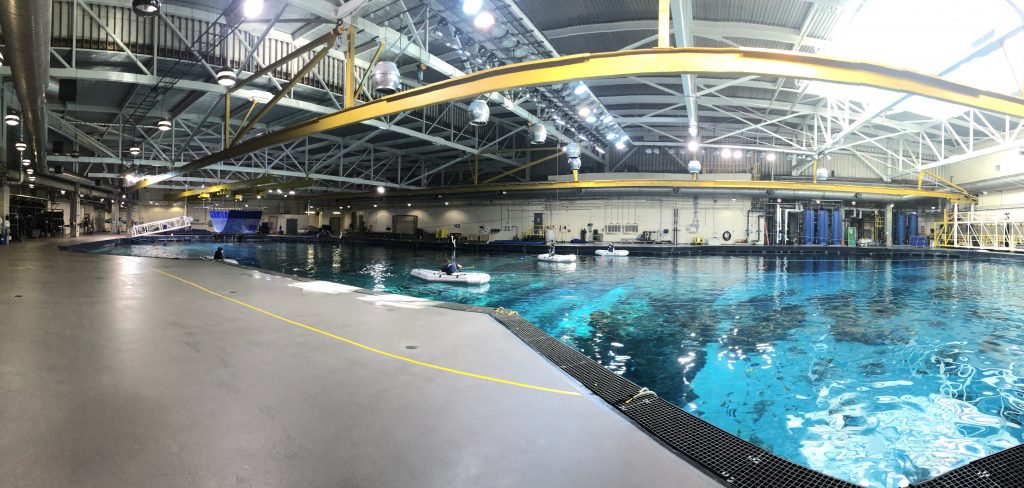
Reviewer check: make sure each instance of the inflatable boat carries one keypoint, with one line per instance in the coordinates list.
(460, 278)
(557, 258)
(226, 260)
(615, 253)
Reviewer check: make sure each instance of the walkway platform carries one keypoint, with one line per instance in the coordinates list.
(123, 371)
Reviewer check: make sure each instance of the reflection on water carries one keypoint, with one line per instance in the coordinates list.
(880, 372)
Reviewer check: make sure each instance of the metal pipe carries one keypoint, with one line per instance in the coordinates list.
(26, 27)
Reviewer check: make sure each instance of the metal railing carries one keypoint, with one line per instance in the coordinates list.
(160, 226)
(993, 235)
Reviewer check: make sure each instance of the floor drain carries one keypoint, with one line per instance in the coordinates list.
(232, 292)
(17, 296)
(412, 347)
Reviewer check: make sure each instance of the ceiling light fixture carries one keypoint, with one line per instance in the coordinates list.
(226, 77)
(26, 162)
(12, 119)
(580, 89)
(770, 157)
(252, 8)
(484, 20)
(146, 8)
(472, 7)
(584, 111)
(21, 146)
(163, 125)
(693, 146)
(134, 150)
(380, 189)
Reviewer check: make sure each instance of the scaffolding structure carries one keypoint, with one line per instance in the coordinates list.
(992, 234)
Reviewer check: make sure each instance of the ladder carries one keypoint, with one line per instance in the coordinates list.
(160, 226)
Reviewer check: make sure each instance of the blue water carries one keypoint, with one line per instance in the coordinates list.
(877, 371)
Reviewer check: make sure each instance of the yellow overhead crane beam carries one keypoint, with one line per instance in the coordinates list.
(642, 62)
(709, 185)
(220, 188)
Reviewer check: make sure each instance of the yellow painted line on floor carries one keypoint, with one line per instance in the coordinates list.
(373, 349)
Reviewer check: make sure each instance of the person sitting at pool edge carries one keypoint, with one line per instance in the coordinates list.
(450, 267)
(219, 254)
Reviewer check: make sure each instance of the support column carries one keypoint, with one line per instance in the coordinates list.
(115, 217)
(888, 224)
(76, 204)
(5, 202)
(5, 198)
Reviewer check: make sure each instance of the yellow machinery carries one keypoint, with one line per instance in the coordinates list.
(697, 240)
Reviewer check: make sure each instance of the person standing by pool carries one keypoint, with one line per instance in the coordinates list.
(611, 247)
(218, 255)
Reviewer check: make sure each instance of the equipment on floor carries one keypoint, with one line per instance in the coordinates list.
(557, 258)
(618, 253)
(460, 278)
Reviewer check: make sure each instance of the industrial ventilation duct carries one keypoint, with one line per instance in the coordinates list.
(26, 28)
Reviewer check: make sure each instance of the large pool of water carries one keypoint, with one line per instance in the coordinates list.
(877, 371)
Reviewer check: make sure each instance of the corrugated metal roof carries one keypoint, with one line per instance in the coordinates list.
(547, 14)
(595, 43)
(780, 13)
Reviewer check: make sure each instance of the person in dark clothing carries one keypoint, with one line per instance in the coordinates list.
(219, 254)
(551, 248)
(583, 235)
(450, 267)
(611, 247)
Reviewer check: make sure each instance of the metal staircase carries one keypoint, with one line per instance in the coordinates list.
(159, 226)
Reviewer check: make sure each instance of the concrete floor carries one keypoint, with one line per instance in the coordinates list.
(113, 374)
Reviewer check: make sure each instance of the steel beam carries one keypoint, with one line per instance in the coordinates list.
(324, 40)
(282, 92)
(522, 167)
(238, 185)
(628, 63)
(643, 183)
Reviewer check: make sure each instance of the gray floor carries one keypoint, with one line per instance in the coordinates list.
(113, 374)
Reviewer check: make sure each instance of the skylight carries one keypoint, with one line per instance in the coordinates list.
(930, 36)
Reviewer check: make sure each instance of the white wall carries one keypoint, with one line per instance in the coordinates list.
(567, 218)
(996, 165)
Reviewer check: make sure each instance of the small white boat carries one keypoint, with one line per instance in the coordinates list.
(557, 258)
(615, 253)
(226, 260)
(460, 278)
